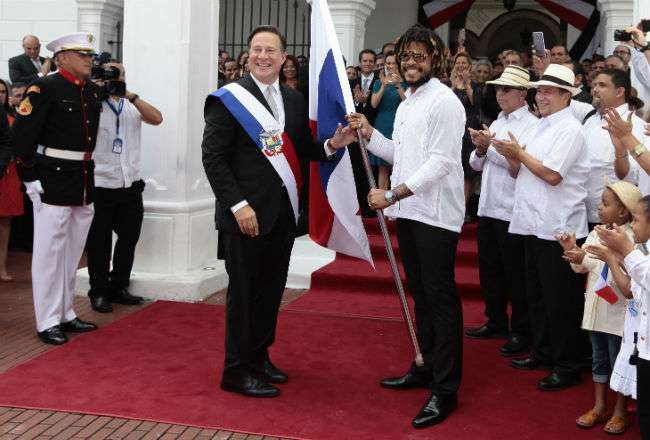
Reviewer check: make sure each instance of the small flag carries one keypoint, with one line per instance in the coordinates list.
(603, 289)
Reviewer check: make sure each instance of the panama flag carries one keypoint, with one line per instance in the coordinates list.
(603, 289)
(334, 220)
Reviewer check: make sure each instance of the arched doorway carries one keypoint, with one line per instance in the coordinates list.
(513, 31)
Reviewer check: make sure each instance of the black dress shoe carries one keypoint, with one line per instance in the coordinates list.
(558, 381)
(77, 326)
(515, 345)
(100, 304)
(408, 381)
(53, 336)
(435, 410)
(123, 296)
(270, 373)
(247, 385)
(486, 332)
(529, 363)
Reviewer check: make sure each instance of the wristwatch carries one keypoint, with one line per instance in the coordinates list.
(638, 150)
(133, 98)
(390, 197)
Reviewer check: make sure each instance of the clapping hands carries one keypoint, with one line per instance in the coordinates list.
(572, 252)
(481, 139)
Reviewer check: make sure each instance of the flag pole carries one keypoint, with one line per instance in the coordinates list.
(406, 313)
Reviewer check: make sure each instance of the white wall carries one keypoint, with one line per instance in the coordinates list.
(389, 20)
(47, 19)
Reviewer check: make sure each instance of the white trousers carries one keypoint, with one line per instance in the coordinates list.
(59, 237)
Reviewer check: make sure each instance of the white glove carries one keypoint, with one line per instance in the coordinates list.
(34, 190)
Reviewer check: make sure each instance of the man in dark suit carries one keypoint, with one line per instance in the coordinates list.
(27, 67)
(256, 206)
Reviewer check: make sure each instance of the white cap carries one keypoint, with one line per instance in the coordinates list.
(78, 41)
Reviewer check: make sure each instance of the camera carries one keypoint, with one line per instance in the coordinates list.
(108, 75)
(621, 35)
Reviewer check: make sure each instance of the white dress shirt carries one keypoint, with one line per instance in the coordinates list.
(113, 170)
(601, 153)
(366, 81)
(497, 185)
(580, 109)
(638, 267)
(277, 97)
(544, 210)
(425, 153)
(641, 67)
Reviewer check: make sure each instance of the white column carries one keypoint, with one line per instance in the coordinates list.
(100, 17)
(641, 11)
(349, 17)
(170, 60)
(614, 14)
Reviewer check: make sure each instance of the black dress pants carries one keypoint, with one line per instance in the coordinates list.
(555, 305)
(360, 179)
(643, 396)
(257, 269)
(121, 211)
(428, 255)
(501, 270)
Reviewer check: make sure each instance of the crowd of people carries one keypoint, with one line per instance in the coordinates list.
(555, 148)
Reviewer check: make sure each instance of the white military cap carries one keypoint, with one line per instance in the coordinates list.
(78, 42)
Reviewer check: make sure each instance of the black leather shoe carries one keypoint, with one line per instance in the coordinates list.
(247, 385)
(77, 326)
(100, 304)
(53, 336)
(529, 363)
(515, 345)
(270, 373)
(408, 381)
(435, 410)
(123, 296)
(486, 332)
(558, 381)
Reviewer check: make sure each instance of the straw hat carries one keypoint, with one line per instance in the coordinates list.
(558, 76)
(513, 76)
(628, 194)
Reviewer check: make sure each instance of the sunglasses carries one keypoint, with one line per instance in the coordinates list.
(418, 57)
(506, 89)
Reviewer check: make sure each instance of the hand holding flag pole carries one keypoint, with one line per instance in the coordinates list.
(419, 361)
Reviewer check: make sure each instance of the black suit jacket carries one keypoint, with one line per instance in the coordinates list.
(21, 69)
(366, 108)
(238, 170)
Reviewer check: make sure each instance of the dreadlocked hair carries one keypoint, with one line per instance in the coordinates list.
(434, 45)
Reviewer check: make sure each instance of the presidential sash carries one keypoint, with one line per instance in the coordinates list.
(267, 133)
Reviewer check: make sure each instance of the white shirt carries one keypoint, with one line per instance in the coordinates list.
(580, 109)
(601, 153)
(545, 210)
(366, 81)
(638, 267)
(113, 170)
(425, 153)
(497, 185)
(641, 67)
(277, 97)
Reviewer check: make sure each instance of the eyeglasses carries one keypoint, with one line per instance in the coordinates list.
(621, 52)
(418, 57)
(506, 89)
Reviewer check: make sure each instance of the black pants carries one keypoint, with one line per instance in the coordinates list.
(555, 304)
(643, 396)
(257, 269)
(116, 210)
(360, 179)
(501, 270)
(429, 254)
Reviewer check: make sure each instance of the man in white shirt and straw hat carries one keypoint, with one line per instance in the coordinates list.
(501, 254)
(550, 195)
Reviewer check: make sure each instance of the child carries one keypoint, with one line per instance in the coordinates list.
(637, 265)
(604, 312)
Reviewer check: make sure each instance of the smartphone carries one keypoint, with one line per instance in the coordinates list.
(645, 26)
(386, 72)
(461, 35)
(538, 44)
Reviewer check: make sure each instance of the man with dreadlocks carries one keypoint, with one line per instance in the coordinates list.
(427, 200)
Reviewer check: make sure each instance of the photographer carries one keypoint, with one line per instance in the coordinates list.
(53, 139)
(640, 48)
(118, 193)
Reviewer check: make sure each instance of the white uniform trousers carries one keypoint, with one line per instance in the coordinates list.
(59, 237)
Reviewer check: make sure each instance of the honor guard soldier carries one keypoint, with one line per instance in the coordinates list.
(53, 138)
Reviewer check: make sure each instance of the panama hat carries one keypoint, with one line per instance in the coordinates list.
(628, 194)
(77, 41)
(558, 76)
(513, 76)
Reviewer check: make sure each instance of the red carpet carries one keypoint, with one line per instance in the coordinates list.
(163, 364)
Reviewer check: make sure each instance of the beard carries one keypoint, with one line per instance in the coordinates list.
(424, 78)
